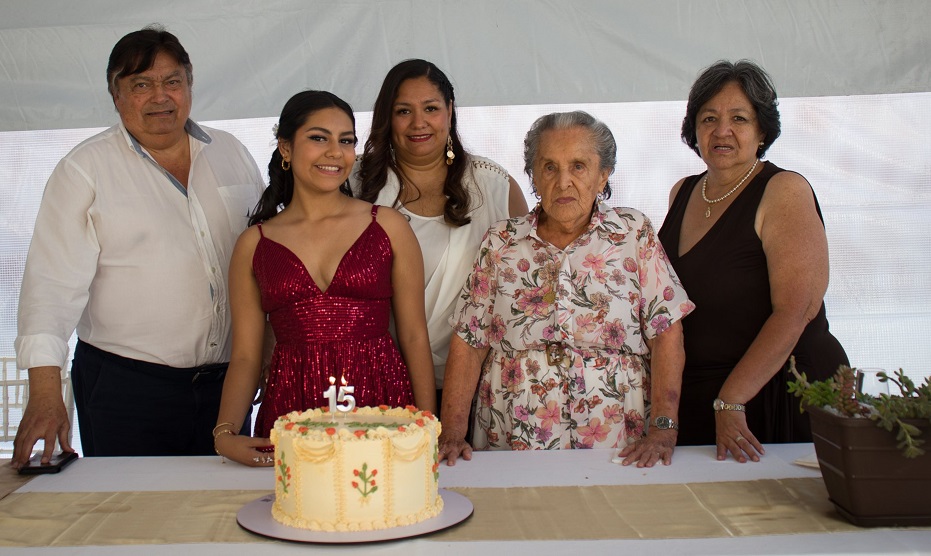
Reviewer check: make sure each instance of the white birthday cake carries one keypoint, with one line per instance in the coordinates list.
(371, 468)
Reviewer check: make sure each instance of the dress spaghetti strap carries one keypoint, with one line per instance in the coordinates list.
(374, 212)
(262, 234)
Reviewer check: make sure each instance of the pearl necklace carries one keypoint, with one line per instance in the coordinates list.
(704, 184)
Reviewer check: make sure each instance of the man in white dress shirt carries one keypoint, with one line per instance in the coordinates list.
(131, 248)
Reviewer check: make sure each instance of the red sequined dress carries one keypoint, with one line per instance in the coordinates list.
(340, 332)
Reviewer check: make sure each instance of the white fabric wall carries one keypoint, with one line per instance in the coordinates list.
(853, 77)
(250, 56)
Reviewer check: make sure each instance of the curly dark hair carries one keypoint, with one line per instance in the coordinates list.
(376, 155)
(756, 84)
(280, 188)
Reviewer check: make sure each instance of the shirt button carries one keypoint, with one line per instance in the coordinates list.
(203, 233)
(213, 344)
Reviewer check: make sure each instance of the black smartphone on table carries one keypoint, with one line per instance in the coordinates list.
(56, 464)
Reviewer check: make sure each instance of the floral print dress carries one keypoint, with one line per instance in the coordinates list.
(592, 306)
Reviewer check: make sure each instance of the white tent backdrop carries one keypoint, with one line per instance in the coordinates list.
(853, 77)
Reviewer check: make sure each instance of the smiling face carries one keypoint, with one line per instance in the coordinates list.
(154, 105)
(727, 130)
(322, 151)
(420, 121)
(568, 177)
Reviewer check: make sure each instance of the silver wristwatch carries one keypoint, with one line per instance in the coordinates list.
(664, 423)
(720, 405)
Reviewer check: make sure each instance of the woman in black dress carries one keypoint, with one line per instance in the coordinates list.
(748, 242)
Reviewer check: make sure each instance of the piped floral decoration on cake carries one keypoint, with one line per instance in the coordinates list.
(284, 474)
(366, 483)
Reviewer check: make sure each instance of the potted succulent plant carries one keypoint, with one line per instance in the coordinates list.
(870, 448)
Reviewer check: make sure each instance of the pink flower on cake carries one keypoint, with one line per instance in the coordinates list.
(383, 407)
(330, 431)
(420, 422)
(360, 433)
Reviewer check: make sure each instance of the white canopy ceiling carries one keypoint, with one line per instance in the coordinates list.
(249, 57)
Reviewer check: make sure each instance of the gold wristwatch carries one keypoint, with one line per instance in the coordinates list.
(720, 405)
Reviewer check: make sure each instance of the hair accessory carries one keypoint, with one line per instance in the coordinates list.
(704, 184)
(285, 165)
(450, 155)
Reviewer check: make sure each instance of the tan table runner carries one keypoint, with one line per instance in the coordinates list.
(10, 479)
(694, 510)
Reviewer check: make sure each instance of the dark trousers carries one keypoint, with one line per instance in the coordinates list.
(135, 408)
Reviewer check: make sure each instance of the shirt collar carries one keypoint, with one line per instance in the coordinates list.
(599, 216)
(190, 127)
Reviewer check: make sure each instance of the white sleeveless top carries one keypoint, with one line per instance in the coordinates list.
(435, 228)
(449, 251)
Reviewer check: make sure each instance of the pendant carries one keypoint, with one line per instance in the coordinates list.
(708, 212)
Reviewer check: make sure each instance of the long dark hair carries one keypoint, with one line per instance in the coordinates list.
(280, 181)
(377, 158)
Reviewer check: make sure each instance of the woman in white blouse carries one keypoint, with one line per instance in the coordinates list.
(414, 161)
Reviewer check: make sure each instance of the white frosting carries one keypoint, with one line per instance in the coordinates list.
(373, 468)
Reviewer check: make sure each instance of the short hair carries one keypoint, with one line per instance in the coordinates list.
(602, 140)
(755, 83)
(136, 52)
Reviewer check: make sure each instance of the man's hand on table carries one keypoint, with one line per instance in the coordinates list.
(45, 418)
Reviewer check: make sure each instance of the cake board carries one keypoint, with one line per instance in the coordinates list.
(256, 517)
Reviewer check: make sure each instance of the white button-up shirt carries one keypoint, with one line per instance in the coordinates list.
(133, 260)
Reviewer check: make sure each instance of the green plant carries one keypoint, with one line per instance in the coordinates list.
(889, 411)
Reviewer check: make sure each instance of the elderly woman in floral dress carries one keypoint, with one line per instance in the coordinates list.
(569, 323)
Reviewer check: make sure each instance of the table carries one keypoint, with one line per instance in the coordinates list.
(555, 477)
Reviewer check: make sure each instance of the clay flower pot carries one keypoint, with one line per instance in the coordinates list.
(868, 479)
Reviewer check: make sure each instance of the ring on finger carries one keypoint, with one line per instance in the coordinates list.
(739, 438)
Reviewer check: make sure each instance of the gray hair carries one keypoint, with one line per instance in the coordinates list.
(601, 136)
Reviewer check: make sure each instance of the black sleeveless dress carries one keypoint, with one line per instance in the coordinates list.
(725, 274)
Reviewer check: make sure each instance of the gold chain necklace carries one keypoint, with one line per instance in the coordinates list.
(704, 184)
